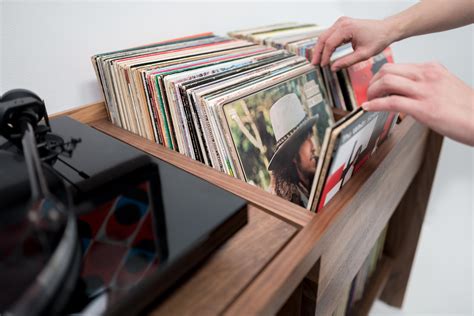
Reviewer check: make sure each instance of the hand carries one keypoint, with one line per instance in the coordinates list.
(429, 93)
(368, 38)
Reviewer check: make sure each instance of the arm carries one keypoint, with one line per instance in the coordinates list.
(370, 37)
(431, 16)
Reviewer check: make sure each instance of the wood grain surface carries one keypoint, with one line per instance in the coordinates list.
(227, 273)
(405, 224)
(86, 114)
(374, 287)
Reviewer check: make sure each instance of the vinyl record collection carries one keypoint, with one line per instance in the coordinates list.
(251, 106)
(347, 88)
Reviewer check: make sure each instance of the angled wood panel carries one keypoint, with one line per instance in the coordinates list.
(234, 265)
(405, 224)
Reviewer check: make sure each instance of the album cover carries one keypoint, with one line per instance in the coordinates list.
(186, 90)
(361, 73)
(269, 129)
(224, 84)
(353, 142)
(123, 86)
(99, 60)
(205, 68)
(103, 63)
(242, 34)
(162, 65)
(170, 64)
(233, 89)
(217, 100)
(327, 150)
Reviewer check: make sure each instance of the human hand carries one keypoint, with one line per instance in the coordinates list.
(368, 38)
(429, 93)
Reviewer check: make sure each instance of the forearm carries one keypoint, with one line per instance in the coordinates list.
(430, 16)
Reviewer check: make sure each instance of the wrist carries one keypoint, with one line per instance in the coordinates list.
(395, 29)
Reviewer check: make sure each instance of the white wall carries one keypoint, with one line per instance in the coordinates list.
(46, 47)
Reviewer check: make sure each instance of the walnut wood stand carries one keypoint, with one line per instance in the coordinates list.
(286, 251)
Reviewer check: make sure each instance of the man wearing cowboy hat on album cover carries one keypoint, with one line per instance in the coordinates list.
(294, 161)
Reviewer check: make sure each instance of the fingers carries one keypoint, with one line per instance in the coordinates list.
(411, 72)
(349, 60)
(338, 37)
(318, 48)
(322, 40)
(316, 59)
(393, 103)
(392, 84)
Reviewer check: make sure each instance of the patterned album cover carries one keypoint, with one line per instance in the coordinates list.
(118, 242)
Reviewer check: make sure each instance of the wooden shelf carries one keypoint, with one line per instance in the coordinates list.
(259, 268)
(215, 284)
(374, 287)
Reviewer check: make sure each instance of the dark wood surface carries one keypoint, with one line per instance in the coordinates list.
(250, 275)
(293, 304)
(217, 283)
(405, 224)
(374, 287)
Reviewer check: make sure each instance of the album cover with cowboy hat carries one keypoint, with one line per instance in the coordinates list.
(277, 134)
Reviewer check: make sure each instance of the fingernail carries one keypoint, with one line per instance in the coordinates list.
(365, 106)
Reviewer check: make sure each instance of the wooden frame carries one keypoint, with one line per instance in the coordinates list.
(265, 264)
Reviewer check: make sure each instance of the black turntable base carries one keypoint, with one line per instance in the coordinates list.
(142, 223)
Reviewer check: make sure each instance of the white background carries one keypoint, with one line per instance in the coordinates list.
(46, 47)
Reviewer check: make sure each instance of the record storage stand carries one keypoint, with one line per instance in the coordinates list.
(286, 254)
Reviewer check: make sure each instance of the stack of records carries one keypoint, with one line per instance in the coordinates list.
(282, 36)
(250, 110)
(347, 88)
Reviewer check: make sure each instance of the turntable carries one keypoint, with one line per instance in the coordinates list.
(91, 224)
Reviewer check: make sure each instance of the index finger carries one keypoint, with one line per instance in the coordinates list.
(338, 37)
(319, 46)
